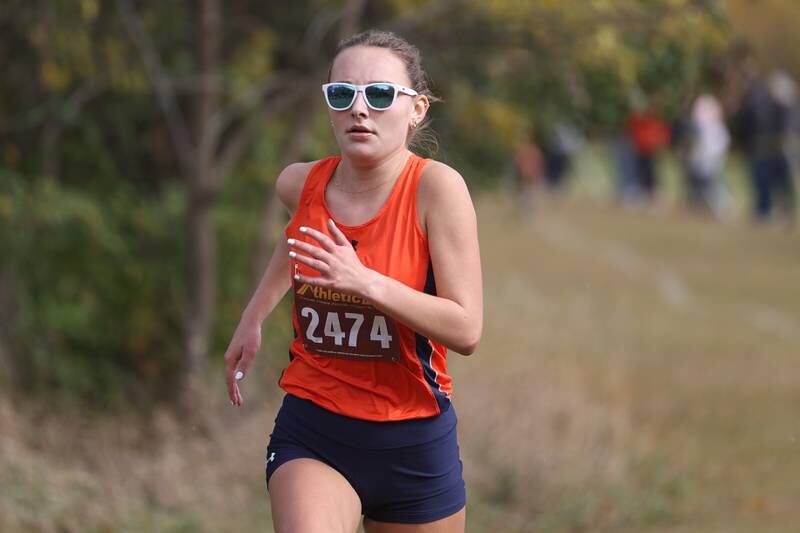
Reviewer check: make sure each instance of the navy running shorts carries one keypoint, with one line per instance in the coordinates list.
(404, 472)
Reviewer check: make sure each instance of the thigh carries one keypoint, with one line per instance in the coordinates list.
(455, 523)
(308, 496)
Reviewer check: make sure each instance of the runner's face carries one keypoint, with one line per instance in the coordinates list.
(377, 134)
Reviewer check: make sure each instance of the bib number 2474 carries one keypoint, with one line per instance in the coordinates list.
(363, 335)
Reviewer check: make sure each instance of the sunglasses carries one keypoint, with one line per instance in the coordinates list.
(379, 96)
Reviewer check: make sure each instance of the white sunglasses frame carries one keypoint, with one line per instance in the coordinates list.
(398, 89)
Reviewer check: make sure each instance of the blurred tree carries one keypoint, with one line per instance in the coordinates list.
(122, 120)
(527, 65)
(116, 56)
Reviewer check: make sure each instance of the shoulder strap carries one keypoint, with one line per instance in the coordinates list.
(317, 177)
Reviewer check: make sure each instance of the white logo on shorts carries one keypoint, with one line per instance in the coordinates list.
(271, 457)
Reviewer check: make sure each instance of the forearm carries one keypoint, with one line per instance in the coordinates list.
(440, 319)
(273, 285)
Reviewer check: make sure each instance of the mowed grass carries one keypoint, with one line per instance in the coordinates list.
(666, 344)
(638, 372)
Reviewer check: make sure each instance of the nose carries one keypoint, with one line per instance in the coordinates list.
(360, 107)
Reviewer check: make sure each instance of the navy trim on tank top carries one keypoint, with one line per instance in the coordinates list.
(291, 355)
(424, 351)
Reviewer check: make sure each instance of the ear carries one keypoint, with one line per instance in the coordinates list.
(420, 109)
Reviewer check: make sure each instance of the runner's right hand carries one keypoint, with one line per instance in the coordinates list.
(239, 356)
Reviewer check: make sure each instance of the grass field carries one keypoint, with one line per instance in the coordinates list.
(666, 345)
(638, 372)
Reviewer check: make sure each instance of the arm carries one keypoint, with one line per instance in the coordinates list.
(275, 281)
(246, 340)
(454, 317)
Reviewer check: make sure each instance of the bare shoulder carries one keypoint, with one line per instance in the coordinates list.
(438, 178)
(440, 185)
(442, 196)
(290, 182)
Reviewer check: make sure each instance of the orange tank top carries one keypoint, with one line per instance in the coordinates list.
(347, 356)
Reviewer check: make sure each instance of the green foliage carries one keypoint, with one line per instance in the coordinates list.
(93, 200)
(544, 62)
(98, 290)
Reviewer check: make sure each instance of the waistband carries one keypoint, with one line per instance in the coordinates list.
(299, 415)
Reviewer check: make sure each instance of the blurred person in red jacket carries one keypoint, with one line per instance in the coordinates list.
(649, 133)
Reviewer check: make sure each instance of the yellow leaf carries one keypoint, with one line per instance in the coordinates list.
(54, 77)
(89, 9)
(607, 39)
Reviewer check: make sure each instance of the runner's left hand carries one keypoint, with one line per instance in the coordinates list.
(335, 260)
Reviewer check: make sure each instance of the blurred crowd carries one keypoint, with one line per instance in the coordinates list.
(759, 116)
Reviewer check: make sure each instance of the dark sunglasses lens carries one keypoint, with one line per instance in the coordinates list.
(340, 96)
(379, 96)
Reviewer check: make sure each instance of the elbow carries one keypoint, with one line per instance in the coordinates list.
(467, 349)
(469, 343)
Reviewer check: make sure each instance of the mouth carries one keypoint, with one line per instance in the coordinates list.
(359, 129)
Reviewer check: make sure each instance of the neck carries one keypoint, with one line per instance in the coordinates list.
(357, 176)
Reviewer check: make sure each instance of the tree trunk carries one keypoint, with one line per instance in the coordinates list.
(271, 218)
(6, 321)
(352, 13)
(297, 141)
(202, 259)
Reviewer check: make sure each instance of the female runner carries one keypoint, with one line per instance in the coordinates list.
(382, 257)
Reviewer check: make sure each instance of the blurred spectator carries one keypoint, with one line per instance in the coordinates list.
(558, 150)
(649, 133)
(762, 123)
(529, 166)
(706, 142)
(784, 89)
(624, 158)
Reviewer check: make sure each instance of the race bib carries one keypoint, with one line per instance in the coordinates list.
(342, 325)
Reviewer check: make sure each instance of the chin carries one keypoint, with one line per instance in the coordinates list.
(368, 151)
(362, 151)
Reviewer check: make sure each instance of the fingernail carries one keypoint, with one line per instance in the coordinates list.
(239, 375)
(233, 403)
(292, 254)
(291, 242)
(303, 229)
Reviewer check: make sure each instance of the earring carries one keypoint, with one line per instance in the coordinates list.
(413, 124)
